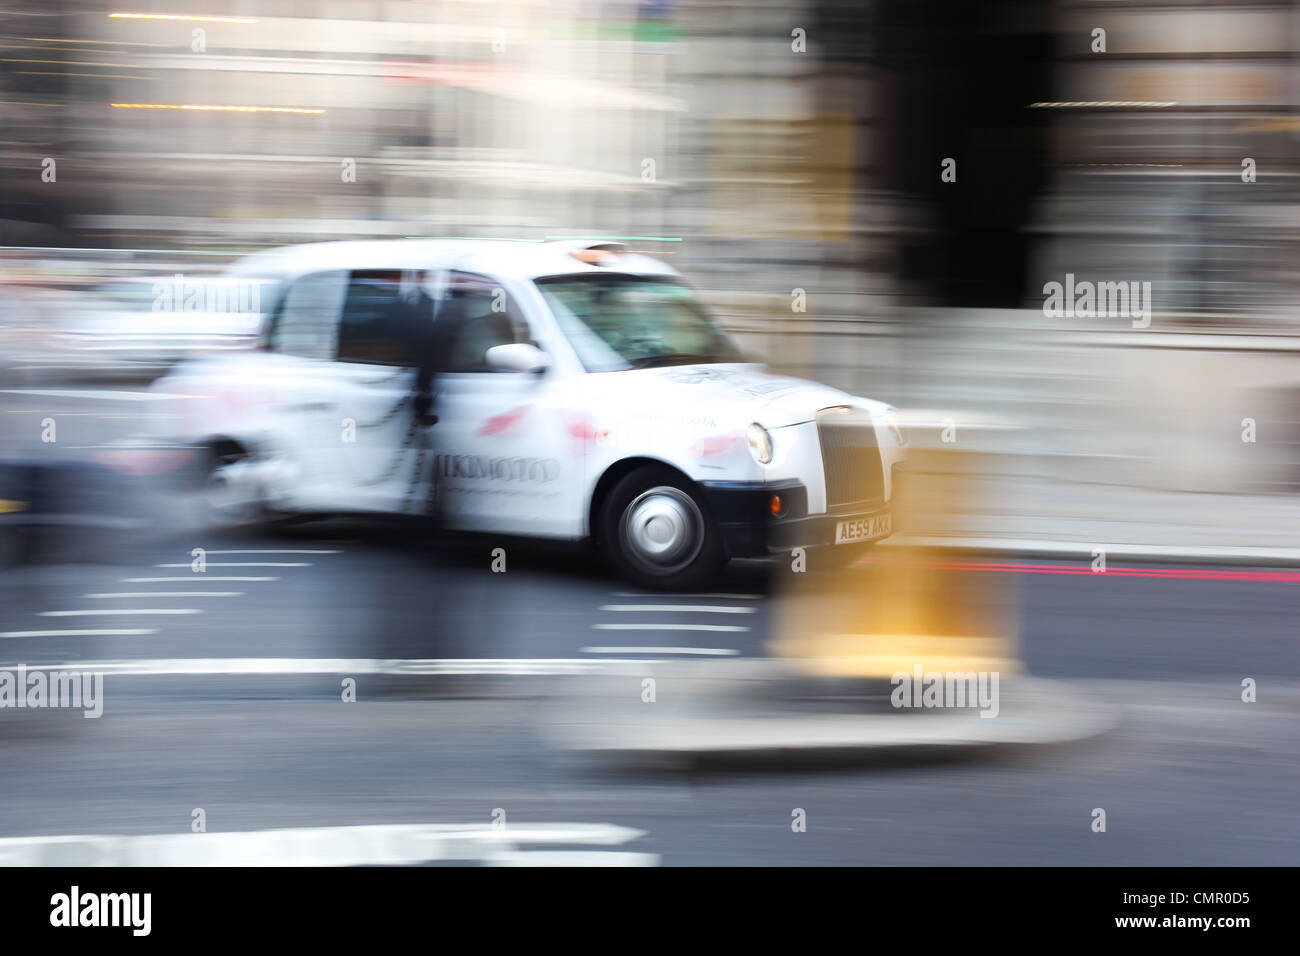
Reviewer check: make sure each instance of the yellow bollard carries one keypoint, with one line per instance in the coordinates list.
(904, 609)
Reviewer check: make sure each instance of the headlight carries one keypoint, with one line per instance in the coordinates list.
(760, 443)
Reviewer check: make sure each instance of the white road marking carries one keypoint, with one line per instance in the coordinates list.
(192, 579)
(658, 594)
(276, 551)
(102, 632)
(236, 666)
(386, 845)
(684, 608)
(573, 858)
(669, 627)
(114, 415)
(106, 394)
(83, 368)
(158, 594)
(96, 612)
(241, 564)
(705, 651)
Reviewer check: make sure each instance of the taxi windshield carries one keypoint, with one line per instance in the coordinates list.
(617, 322)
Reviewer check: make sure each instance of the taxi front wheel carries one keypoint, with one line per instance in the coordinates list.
(657, 531)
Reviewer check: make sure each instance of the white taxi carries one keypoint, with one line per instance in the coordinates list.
(582, 392)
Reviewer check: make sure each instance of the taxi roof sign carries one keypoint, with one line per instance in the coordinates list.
(596, 252)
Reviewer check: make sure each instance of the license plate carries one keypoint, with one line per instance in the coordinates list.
(863, 529)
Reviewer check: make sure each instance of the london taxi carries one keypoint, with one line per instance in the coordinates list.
(585, 393)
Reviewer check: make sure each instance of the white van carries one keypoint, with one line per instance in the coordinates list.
(584, 394)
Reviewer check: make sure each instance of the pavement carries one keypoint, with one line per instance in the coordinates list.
(1050, 517)
(1096, 435)
(729, 715)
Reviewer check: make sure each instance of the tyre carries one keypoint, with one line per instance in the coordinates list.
(658, 532)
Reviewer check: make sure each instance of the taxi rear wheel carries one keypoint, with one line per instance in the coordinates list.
(226, 497)
(658, 531)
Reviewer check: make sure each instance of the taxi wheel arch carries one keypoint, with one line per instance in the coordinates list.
(214, 452)
(655, 525)
(612, 475)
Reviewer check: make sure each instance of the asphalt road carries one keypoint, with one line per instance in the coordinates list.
(1191, 775)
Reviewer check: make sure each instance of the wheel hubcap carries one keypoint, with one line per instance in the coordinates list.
(662, 530)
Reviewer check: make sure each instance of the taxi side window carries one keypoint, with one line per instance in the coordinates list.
(303, 324)
(476, 313)
(376, 325)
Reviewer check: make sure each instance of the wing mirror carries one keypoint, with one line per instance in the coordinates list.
(517, 357)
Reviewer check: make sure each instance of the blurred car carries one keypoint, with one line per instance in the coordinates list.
(145, 325)
(67, 511)
(582, 393)
(30, 319)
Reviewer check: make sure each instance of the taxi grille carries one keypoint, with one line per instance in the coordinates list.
(850, 462)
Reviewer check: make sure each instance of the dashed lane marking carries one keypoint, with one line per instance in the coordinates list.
(684, 608)
(283, 666)
(701, 651)
(97, 632)
(102, 394)
(659, 594)
(162, 594)
(669, 627)
(97, 612)
(275, 551)
(240, 564)
(194, 578)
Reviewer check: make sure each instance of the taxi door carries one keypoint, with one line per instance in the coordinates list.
(383, 458)
(503, 462)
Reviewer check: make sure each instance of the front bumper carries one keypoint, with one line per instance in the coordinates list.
(742, 512)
